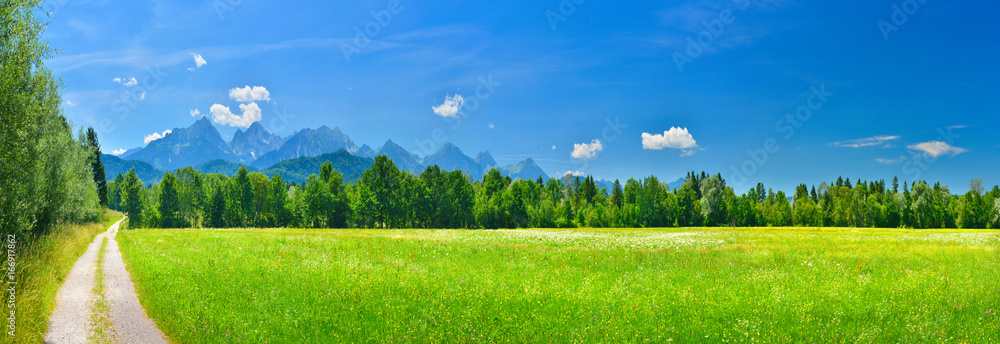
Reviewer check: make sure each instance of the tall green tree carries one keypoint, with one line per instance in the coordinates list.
(97, 167)
(217, 209)
(133, 198)
(380, 184)
(713, 206)
(243, 195)
(169, 203)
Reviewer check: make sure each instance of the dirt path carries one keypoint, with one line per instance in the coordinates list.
(70, 321)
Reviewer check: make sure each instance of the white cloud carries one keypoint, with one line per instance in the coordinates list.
(250, 94)
(890, 161)
(675, 138)
(222, 115)
(491, 125)
(142, 96)
(118, 151)
(195, 113)
(574, 174)
(155, 136)
(451, 107)
(127, 82)
(69, 103)
(585, 150)
(191, 69)
(553, 147)
(875, 141)
(958, 127)
(935, 149)
(198, 60)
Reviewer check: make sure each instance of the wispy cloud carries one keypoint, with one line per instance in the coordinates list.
(890, 161)
(127, 82)
(935, 149)
(875, 141)
(143, 58)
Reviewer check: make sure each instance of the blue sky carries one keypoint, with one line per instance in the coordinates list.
(917, 99)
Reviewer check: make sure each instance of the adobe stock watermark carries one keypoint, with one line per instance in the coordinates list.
(484, 91)
(225, 6)
(363, 36)
(129, 100)
(899, 17)
(10, 283)
(789, 125)
(612, 131)
(714, 28)
(920, 163)
(562, 13)
(279, 122)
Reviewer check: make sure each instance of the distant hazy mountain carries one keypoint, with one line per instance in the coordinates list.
(403, 159)
(676, 185)
(526, 169)
(365, 152)
(226, 168)
(298, 170)
(184, 147)
(254, 142)
(129, 152)
(296, 157)
(485, 161)
(114, 165)
(451, 158)
(307, 143)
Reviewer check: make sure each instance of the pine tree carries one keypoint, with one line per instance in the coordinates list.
(98, 167)
(169, 202)
(617, 197)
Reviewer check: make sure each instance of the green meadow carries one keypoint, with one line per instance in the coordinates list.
(683, 285)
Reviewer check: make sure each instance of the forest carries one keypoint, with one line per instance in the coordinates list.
(387, 197)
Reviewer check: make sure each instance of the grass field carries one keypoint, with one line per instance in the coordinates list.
(682, 285)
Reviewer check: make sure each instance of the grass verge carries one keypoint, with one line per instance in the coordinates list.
(41, 267)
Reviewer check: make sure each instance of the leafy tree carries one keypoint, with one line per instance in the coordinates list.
(713, 206)
(114, 193)
(380, 184)
(807, 213)
(976, 186)
(687, 199)
(132, 198)
(996, 214)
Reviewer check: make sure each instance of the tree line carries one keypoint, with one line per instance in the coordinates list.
(48, 175)
(387, 197)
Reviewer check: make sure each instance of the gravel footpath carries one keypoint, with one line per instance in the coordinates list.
(70, 321)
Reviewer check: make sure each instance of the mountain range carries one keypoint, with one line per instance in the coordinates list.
(295, 157)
